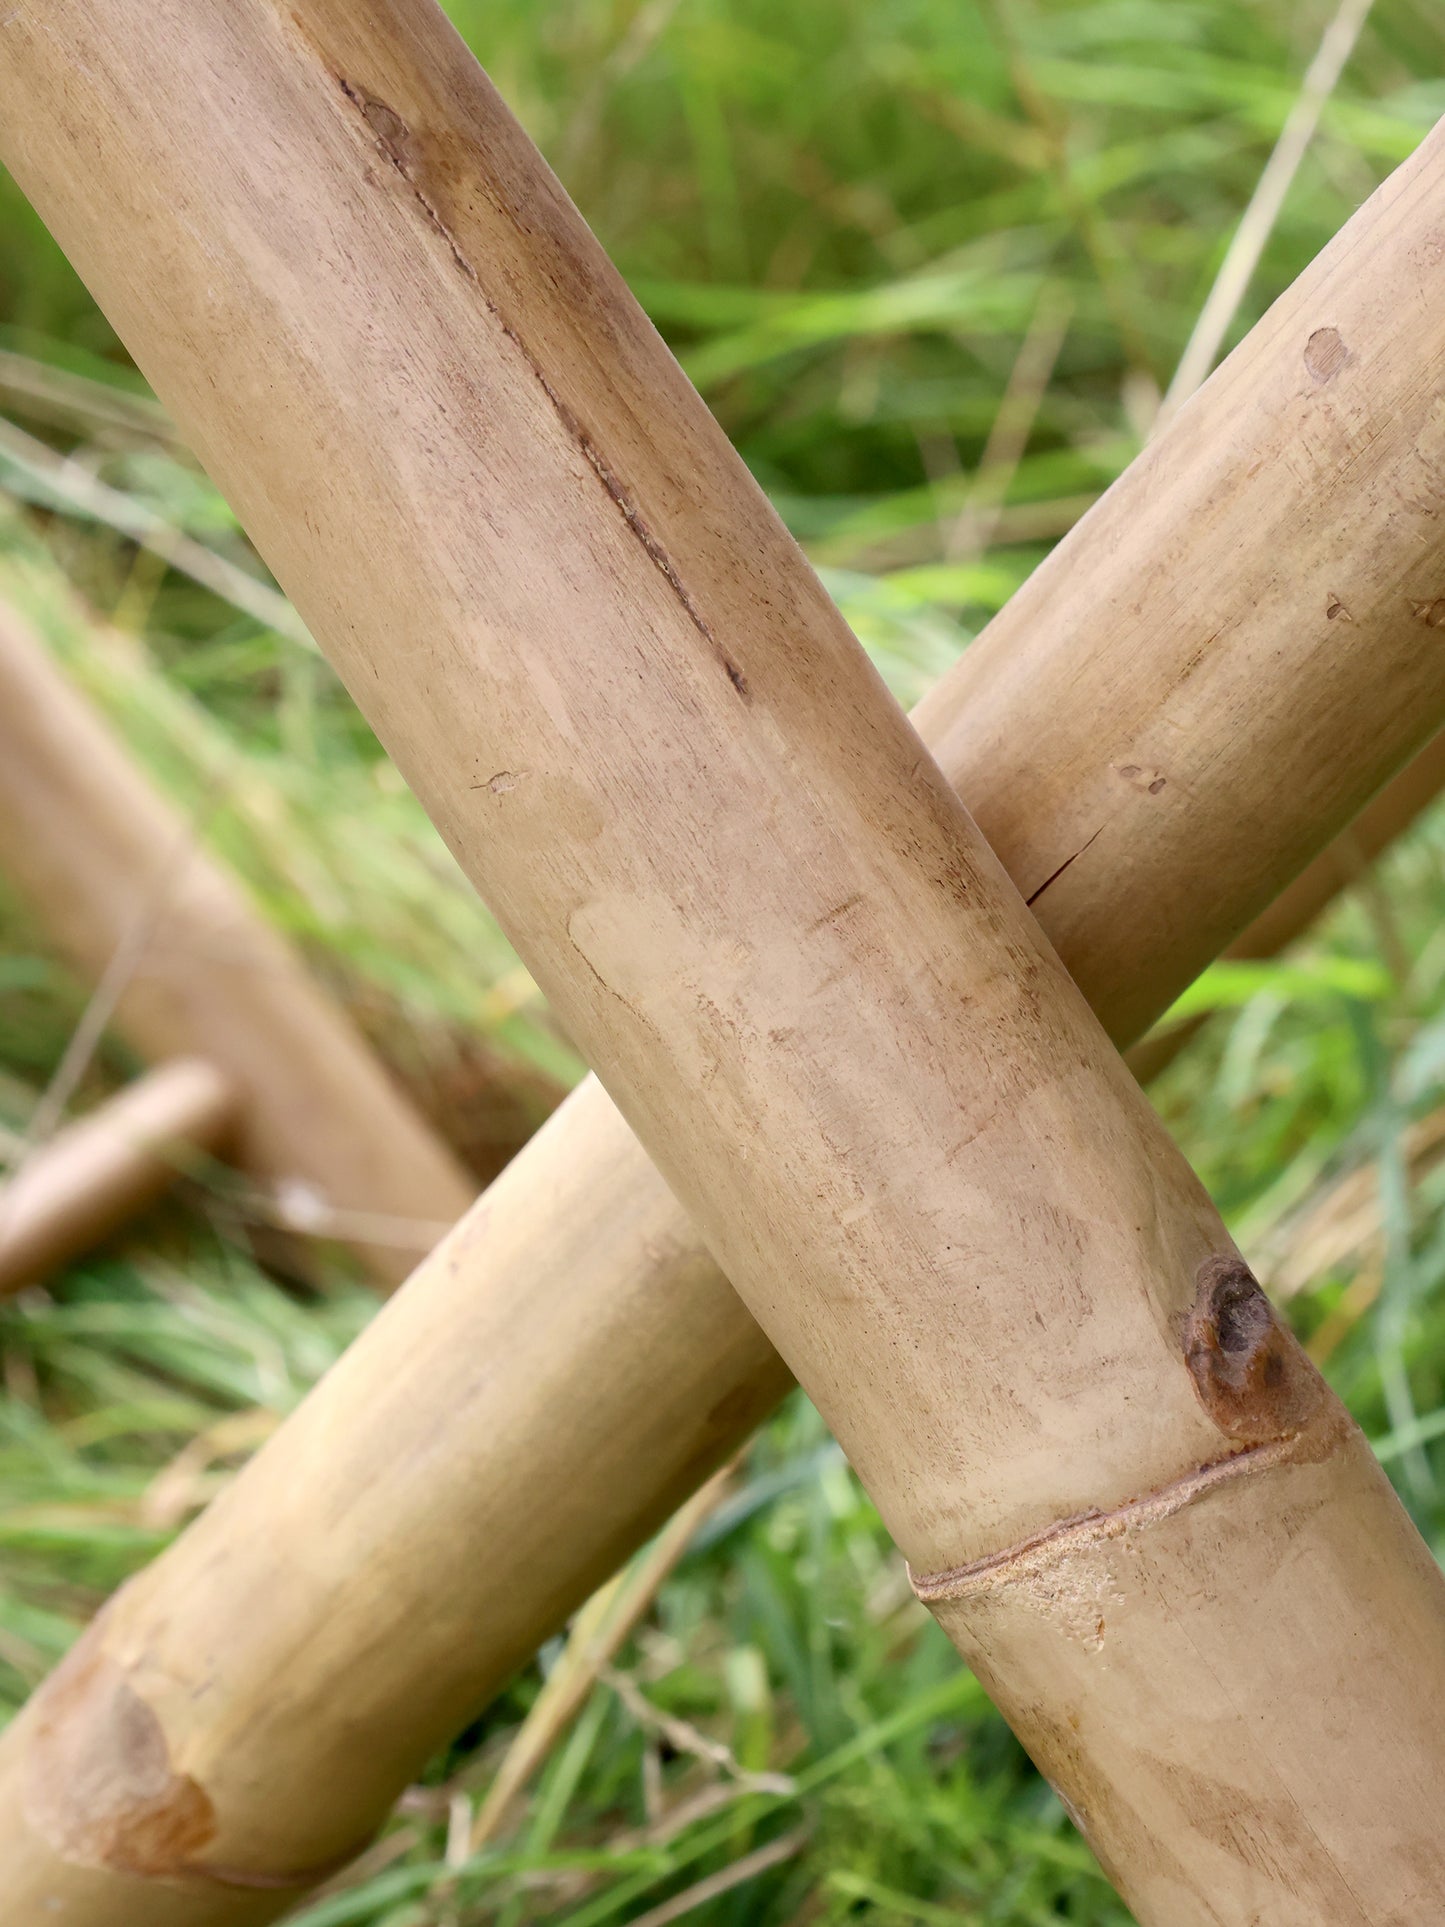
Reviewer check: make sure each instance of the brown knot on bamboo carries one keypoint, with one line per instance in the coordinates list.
(1252, 1375)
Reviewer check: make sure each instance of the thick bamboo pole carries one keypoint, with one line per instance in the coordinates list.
(1334, 870)
(453, 376)
(94, 1175)
(1347, 859)
(117, 877)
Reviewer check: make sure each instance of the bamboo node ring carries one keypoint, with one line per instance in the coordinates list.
(1056, 1544)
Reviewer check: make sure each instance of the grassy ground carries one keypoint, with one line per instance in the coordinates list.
(932, 263)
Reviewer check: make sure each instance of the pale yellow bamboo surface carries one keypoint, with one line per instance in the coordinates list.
(516, 434)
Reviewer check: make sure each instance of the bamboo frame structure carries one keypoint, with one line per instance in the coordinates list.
(615, 554)
(94, 1175)
(116, 876)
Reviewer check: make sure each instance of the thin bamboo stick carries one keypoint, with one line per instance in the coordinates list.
(278, 84)
(117, 877)
(1297, 906)
(93, 1176)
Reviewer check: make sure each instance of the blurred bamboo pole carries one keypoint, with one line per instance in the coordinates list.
(118, 879)
(1392, 812)
(513, 372)
(94, 1175)
(1300, 903)
(1266, 204)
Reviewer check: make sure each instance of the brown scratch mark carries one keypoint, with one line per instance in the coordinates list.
(393, 137)
(596, 973)
(838, 910)
(1032, 900)
(638, 1016)
(397, 143)
(975, 1131)
(1196, 656)
(504, 780)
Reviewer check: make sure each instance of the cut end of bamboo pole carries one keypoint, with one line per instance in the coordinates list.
(118, 878)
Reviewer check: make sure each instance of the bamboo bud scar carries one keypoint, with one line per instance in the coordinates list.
(117, 877)
(614, 665)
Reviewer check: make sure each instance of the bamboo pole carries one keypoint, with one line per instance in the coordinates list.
(597, 878)
(117, 878)
(239, 1822)
(1333, 871)
(93, 1176)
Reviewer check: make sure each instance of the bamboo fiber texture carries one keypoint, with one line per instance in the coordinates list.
(836, 1077)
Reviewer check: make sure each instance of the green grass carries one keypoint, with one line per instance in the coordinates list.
(848, 224)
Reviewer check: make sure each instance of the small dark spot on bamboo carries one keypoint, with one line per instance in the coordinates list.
(1325, 354)
(1147, 781)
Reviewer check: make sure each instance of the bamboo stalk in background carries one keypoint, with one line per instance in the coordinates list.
(751, 898)
(1333, 871)
(97, 1173)
(117, 878)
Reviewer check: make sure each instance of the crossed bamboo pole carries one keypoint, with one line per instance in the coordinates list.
(632, 535)
(97, 1174)
(1346, 862)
